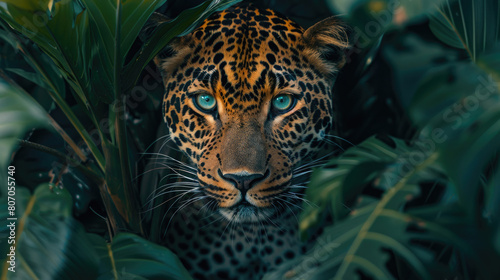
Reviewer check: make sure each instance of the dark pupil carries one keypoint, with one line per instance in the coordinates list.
(206, 98)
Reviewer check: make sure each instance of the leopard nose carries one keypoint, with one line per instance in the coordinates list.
(244, 181)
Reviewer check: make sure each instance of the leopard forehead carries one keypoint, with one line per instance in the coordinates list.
(251, 52)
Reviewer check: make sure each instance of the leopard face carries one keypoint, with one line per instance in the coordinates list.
(248, 98)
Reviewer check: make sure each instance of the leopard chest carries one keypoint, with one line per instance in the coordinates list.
(212, 248)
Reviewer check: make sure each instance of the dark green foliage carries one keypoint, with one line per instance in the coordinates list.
(87, 57)
(420, 208)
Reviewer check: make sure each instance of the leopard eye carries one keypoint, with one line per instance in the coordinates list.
(283, 103)
(205, 102)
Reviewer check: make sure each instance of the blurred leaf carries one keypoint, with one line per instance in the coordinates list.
(70, 53)
(470, 25)
(30, 76)
(458, 107)
(46, 74)
(370, 19)
(61, 34)
(347, 176)
(362, 243)
(132, 257)
(49, 243)
(19, 114)
(31, 5)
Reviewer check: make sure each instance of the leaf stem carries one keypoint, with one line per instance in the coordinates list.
(351, 254)
(456, 32)
(85, 170)
(119, 109)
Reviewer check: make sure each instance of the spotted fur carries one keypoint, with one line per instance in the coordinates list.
(245, 152)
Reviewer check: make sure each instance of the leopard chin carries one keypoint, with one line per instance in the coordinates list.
(247, 213)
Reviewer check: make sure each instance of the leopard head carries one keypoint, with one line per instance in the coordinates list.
(249, 97)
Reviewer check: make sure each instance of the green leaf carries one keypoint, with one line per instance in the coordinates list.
(30, 76)
(166, 31)
(19, 114)
(458, 108)
(49, 243)
(134, 17)
(132, 257)
(349, 174)
(31, 5)
(61, 34)
(377, 231)
(470, 25)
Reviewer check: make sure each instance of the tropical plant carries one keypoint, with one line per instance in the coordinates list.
(87, 57)
(427, 207)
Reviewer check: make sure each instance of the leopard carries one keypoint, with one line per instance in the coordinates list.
(248, 100)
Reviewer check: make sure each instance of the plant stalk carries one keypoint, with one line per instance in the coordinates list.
(119, 110)
(96, 178)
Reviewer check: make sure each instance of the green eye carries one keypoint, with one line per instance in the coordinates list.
(283, 103)
(205, 102)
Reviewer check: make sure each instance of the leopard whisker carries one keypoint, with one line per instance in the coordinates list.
(340, 138)
(206, 204)
(177, 198)
(271, 221)
(167, 157)
(167, 137)
(164, 166)
(301, 174)
(231, 219)
(166, 201)
(185, 204)
(334, 143)
(262, 225)
(171, 158)
(289, 203)
(214, 221)
(294, 196)
(160, 194)
(314, 163)
(293, 212)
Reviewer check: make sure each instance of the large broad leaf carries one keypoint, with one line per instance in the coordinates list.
(48, 243)
(132, 257)
(31, 5)
(380, 232)
(47, 75)
(116, 25)
(458, 107)
(60, 32)
(19, 114)
(342, 179)
(467, 24)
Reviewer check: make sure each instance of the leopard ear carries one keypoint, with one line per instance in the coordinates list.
(168, 58)
(326, 43)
